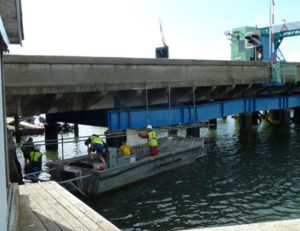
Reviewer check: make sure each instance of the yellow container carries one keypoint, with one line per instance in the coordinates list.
(125, 149)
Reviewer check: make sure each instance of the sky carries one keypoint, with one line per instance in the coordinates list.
(193, 29)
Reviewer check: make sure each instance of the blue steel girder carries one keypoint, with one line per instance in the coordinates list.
(137, 118)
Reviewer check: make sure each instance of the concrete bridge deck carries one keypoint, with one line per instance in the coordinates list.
(89, 83)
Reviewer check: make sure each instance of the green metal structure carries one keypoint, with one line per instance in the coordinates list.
(238, 44)
(280, 71)
(259, 49)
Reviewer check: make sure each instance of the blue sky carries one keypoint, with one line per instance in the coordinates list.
(117, 28)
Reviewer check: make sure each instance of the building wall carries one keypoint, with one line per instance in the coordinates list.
(238, 44)
(3, 159)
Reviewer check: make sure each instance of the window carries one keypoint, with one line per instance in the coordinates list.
(241, 44)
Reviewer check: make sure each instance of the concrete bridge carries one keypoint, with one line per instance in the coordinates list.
(50, 84)
(94, 91)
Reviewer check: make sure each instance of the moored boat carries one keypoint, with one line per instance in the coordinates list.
(95, 178)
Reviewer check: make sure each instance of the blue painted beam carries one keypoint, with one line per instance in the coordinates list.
(137, 118)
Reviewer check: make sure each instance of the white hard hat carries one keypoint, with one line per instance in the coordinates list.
(37, 148)
(149, 126)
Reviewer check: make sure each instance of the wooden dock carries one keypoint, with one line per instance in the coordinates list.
(48, 206)
(285, 225)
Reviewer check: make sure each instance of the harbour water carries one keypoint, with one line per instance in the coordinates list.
(245, 178)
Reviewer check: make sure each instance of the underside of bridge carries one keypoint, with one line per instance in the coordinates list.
(134, 109)
(28, 105)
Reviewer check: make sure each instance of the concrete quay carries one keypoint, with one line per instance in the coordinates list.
(286, 225)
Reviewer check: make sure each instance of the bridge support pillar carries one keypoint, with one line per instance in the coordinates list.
(194, 132)
(76, 130)
(275, 115)
(246, 121)
(297, 115)
(115, 138)
(173, 132)
(285, 116)
(282, 116)
(17, 129)
(51, 136)
(255, 118)
(212, 124)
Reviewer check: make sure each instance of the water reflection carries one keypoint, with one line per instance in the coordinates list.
(246, 177)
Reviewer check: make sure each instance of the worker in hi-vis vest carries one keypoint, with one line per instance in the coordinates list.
(152, 141)
(97, 145)
(35, 159)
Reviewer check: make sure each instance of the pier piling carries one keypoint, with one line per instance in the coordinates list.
(212, 124)
(76, 130)
(115, 138)
(297, 115)
(51, 136)
(281, 116)
(194, 132)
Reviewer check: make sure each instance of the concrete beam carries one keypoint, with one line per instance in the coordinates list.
(11, 13)
(31, 75)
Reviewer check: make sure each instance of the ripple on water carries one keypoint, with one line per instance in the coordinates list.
(242, 180)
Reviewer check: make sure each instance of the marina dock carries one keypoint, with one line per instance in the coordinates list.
(290, 225)
(48, 206)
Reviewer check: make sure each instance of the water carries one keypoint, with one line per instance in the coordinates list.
(244, 178)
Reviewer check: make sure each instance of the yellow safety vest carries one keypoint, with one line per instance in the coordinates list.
(34, 156)
(152, 138)
(96, 140)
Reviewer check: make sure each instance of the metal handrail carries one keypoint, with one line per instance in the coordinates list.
(114, 135)
(74, 179)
